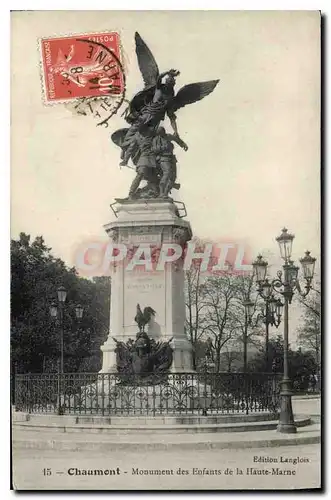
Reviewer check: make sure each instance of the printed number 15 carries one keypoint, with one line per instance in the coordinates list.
(47, 472)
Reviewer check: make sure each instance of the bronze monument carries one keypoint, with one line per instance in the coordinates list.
(147, 144)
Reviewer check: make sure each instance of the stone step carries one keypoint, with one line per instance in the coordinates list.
(124, 428)
(64, 420)
(45, 440)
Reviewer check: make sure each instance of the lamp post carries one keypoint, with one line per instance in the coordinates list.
(285, 284)
(79, 311)
(272, 312)
(270, 315)
(249, 311)
(57, 310)
(62, 295)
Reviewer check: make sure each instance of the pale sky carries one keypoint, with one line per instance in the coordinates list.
(253, 162)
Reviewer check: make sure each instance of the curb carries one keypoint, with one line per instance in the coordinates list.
(58, 445)
(91, 420)
(304, 397)
(301, 421)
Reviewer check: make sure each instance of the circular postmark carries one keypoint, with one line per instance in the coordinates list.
(108, 80)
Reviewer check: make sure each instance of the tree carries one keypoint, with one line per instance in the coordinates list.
(195, 307)
(215, 308)
(302, 365)
(247, 334)
(312, 301)
(36, 275)
(231, 354)
(202, 354)
(276, 352)
(309, 337)
(219, 299)
(302, 370)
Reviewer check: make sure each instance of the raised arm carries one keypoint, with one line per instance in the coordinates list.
(159, 80)
(172, 72)
(178, 140)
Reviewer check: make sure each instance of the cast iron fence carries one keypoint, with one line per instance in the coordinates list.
(175, 394)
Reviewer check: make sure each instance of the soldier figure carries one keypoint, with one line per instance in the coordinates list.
(166, 161)
(146, 164)
(156, 163)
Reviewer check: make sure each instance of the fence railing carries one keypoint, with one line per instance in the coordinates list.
(174, 394)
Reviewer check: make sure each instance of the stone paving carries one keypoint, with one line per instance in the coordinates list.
(80, 441)
(304, 406)
(180, 470)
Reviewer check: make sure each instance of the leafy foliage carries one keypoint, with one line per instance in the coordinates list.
(35, 336)
(309, 337)
(302, 364)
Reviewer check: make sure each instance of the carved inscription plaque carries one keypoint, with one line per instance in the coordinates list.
(147, 289)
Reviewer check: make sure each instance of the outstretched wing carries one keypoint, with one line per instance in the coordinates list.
(192, 93)
(146, 62)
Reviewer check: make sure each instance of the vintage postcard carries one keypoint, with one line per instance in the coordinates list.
(165, 250)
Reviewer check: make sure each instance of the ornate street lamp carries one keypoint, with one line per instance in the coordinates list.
(53, 310)
(308, 266)
(249, 308)
(265, 289)
(260, 268)
(271, 314)
(272, 305)
(57, 310)
(61, 294)
(279, 308)
(285, 284)
(79, 311)
(285, 241)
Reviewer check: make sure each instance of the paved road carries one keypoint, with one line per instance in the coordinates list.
(310, 407)
(29, 465)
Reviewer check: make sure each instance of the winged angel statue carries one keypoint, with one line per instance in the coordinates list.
(148, 145)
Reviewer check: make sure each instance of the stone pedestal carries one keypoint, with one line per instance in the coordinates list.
(143, 225)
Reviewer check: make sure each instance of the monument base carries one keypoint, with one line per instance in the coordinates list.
(108, 357)
(182, 357)
(145, 228)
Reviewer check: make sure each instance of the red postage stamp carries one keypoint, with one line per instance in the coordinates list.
(79, 66)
